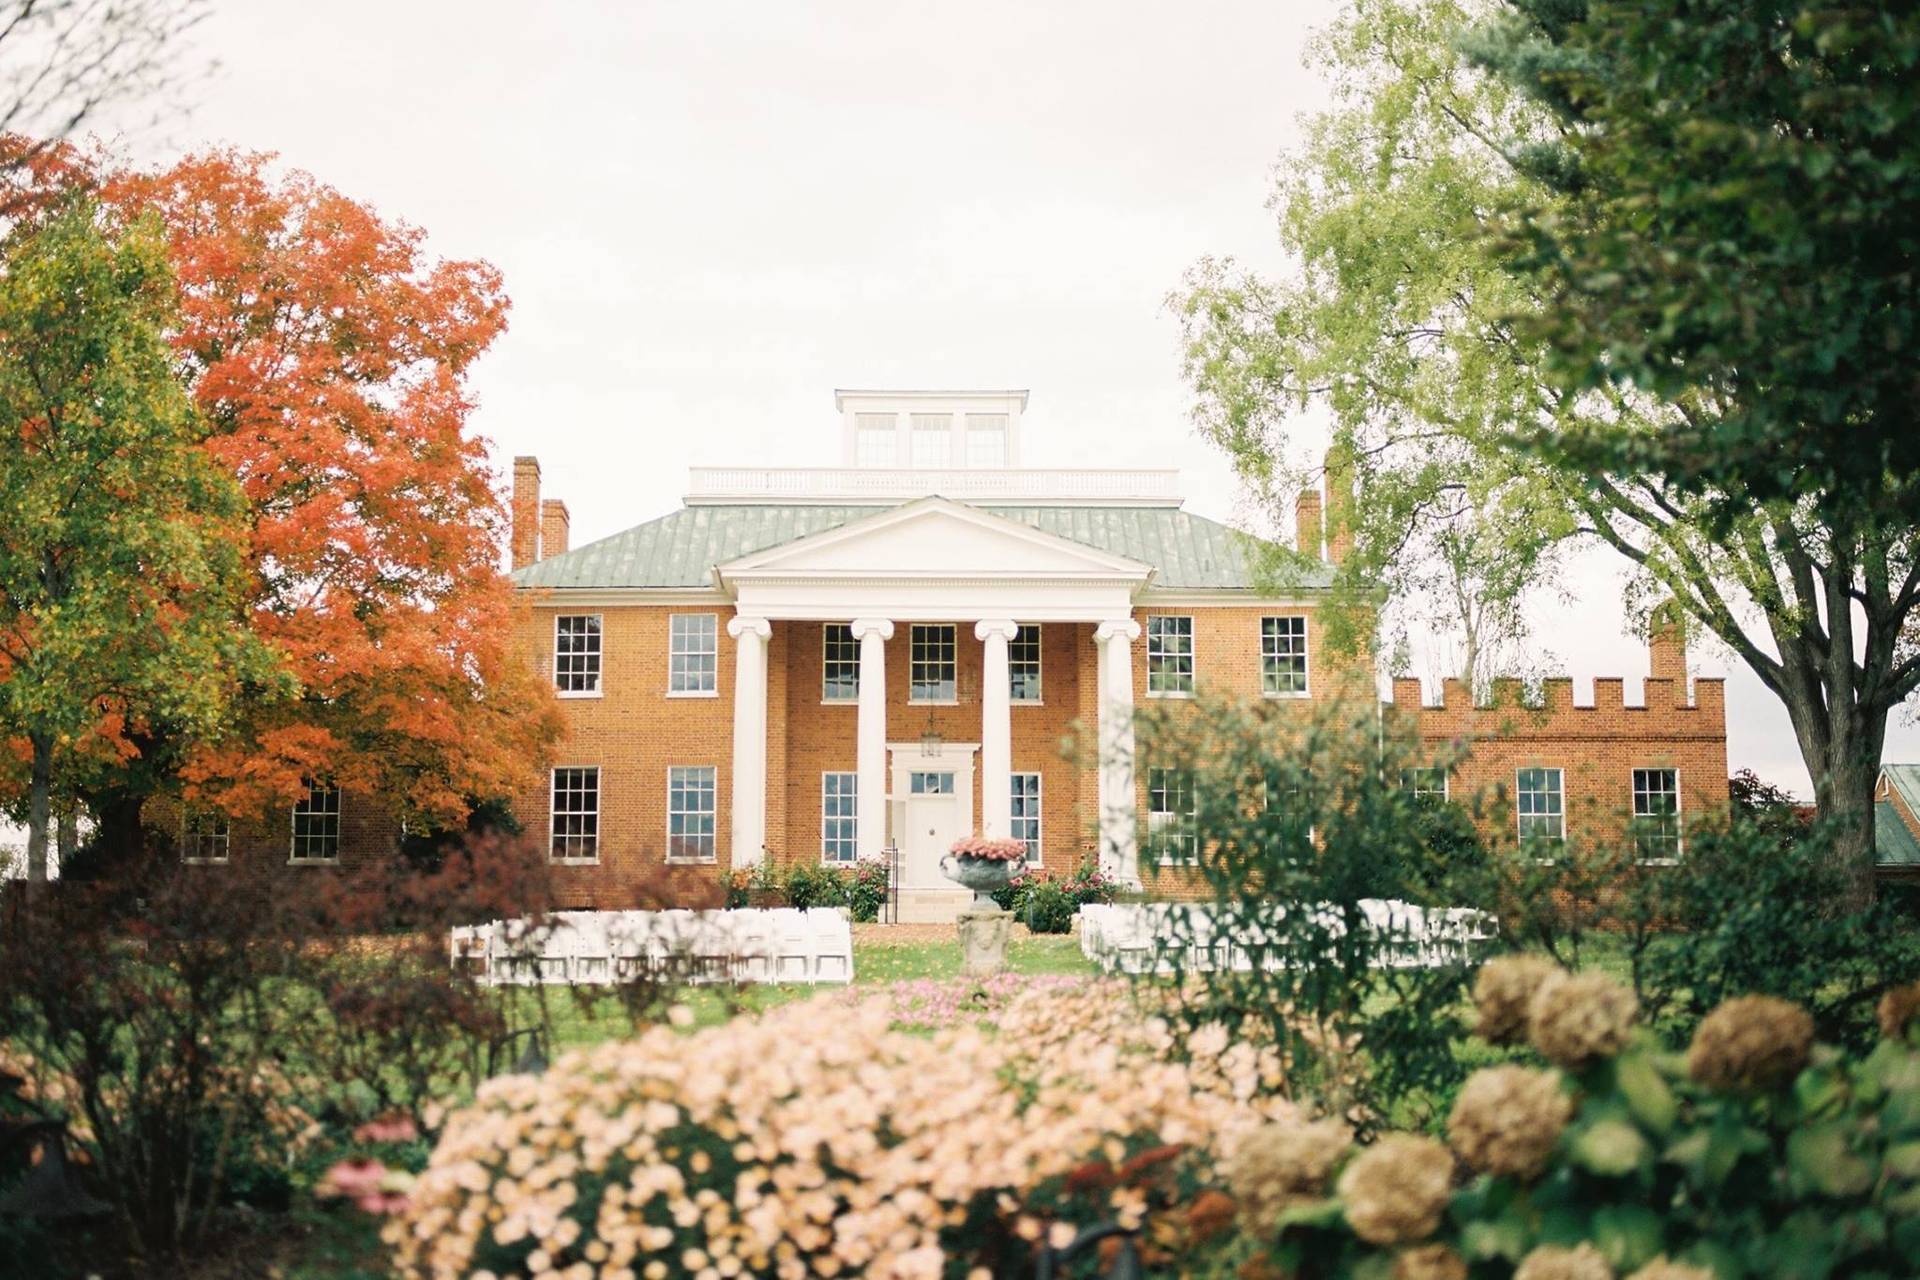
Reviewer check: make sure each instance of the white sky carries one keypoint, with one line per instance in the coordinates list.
(711, 214)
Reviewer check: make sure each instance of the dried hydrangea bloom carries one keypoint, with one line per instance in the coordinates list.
(1278, 1165)
(1661, 1269)
(1551, 1262)
(1508, 1119)
(1429, 1262)
(1897, 1010)
(1396, 1190)
(1503, 990)
(1576, 1018)
(1751, 1044)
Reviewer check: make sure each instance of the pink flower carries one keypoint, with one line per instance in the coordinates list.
(392, 1127)
(352, 1178)
(993, 850)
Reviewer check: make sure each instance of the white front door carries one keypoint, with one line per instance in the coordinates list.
(933, 823)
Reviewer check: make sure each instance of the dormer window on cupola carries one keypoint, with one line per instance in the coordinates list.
(931, 430)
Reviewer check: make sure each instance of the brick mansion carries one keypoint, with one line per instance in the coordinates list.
(823, 664)
(817, 664)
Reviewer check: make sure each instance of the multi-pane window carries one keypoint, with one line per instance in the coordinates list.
(316, 825)
(932, 437)
(839, 663)
(1656, 814)
(929, 784)
(932, 663)
(1024, 811)
(839, 816)
(875, 441)
(986, 440)
(204, 835)
(1169, 654)
(690, 793)
(1542, 805)
(1426, 783)
(1171, 829)
(576, 653)
(1023, 664)
(1283, 655)
(574, 828)
(694, 649)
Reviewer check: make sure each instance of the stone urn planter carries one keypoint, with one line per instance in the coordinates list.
(983, 866)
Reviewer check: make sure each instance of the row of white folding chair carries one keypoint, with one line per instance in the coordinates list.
(701, 947)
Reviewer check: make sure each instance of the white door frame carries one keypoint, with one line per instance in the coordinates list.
(907, 758)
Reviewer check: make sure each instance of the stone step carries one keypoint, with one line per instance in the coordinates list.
(933, 906)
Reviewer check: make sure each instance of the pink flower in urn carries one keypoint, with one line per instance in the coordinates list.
(992, 850)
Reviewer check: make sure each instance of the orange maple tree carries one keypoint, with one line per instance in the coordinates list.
(329, 353)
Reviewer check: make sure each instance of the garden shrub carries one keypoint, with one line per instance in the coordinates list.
(809, 885)
(1757, 1153)
(1298, 817)
(1048, 908)
(866, 889)
(799, 1145)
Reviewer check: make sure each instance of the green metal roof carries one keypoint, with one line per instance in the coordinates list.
(1893, 841)
(680, 550)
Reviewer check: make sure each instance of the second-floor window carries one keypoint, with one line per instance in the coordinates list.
(932, 663)
(1283, 656)
(1541, 806)
(694, 640)
(839, 664)
(1425, 782)
(1169, 654)
(1023, 664)
(316, 825)
(1656, 814)
(576, 654)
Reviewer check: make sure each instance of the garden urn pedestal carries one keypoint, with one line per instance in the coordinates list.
(983, 940)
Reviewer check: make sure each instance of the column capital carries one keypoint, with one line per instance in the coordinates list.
(1126, 628)
(738, 626)
(1005, 628)
(864, 627)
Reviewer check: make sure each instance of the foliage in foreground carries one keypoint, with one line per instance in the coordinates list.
(795, 1145)
(1756, 1153)
(1307, 810)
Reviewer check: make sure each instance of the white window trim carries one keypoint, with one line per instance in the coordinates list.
(600, 677)
(293, 817)
(1036, 855)
(682, 861)
(1446, 782)
(825, 701)
(1306, 659)
(553, 792)
(1679, 832)
(1193, 657)
(912, 699)
(694, 693)
(186, 834)
(1561, 790)
(1039, 666)
(824, 819)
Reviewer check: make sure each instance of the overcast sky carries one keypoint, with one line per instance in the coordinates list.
(711, 214)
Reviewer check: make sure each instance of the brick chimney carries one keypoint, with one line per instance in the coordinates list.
(554, 527)
(1306, 523)
(524, 539)
(1667, 645)
(1339, 504)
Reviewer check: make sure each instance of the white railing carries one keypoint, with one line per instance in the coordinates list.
(1038, 486)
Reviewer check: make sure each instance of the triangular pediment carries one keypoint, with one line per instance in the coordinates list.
(935, 538)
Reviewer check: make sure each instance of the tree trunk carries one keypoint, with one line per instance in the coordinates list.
(39, 806)
(1844, 799)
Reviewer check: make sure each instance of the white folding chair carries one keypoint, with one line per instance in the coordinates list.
(713, 947)
(754, 939)
(794, 946)
(833, 947)
(590, 951)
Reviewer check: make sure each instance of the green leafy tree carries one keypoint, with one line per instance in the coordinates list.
(120, 559)
(1406, 323)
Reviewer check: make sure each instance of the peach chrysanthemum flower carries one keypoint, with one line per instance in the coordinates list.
(1577, 1018)
(1278, 1165)
(1508, 1119)
(1502, 991)
(1551, 1262)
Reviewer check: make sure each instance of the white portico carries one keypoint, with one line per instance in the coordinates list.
(934, 560)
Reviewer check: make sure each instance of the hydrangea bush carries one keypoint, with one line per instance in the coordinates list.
(1756, 1153)
(800, 1145)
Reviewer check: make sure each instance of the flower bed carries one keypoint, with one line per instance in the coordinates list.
(798, 1144)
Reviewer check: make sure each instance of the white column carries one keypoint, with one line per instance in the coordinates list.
(871, 758)
(996, 728)
(749, 739)
(1119, 809)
